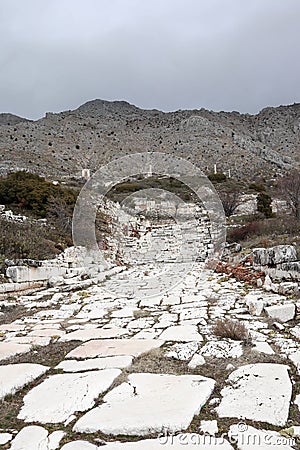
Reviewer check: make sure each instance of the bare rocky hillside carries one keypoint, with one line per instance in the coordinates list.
(61, 145)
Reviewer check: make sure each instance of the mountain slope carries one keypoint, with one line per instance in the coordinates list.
(61, 145)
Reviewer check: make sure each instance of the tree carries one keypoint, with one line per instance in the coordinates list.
(264, 204)
(289, 190)
(230, 201)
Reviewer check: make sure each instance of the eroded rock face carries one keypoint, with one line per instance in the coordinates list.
(259, 392)
(155, 402)
(274, 255)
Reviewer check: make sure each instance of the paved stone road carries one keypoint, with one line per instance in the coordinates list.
(87, 368)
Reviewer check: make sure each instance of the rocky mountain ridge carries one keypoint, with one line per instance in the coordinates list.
(60, 145)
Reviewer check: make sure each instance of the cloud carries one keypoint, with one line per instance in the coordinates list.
(175, 54)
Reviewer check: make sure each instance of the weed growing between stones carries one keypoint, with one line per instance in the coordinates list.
(231, 329)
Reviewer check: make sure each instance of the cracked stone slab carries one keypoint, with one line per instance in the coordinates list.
(155, 402)
(109, 362)
(93, 333)
(8, 349)
(189, 441)
(250, 438)
(181, 333)
(59, 396)
(114, 347)
(258, 392)
(16, 376)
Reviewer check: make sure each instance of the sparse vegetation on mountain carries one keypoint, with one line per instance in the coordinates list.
(98, 131)
(31, 192)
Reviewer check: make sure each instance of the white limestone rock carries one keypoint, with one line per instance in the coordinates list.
(110, 362)
(155, 402)
(93, 333)
(263, 347)
(259, 392)
(59, 396)
(5, 438)
(8, 349)
(222, 349)
(183, 352)
(16, 376)
(295, 358)
(284, 313)
(114, 347)
(55, 439)
(181, 333)
(255, 304)
(31, 438)
(295, 331)
(197, 360)
(209, 427)
(80, 445)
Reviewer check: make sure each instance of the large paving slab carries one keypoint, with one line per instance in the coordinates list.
(114, 347)
(155, 402)
(59, 396)
(181, 333)
(93, 333)
(16, 376)
(31, 438)
(110, 362)
(8, 349)
(80, 445)
(36, 438)
(259, 392)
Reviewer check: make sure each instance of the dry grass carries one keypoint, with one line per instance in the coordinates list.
(232, 329)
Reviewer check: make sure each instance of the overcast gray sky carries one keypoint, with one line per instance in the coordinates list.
(168, 54)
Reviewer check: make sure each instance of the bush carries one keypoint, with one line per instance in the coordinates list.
(242, 233)
(257, 187)
(31, 192)
(217, 177)
(27, 240)
(231, 329)
(264, 202)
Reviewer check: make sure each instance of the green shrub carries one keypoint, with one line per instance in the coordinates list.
(264, 202)
(242, 233)
(257, 187)
(217, 177)
(31, 192)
